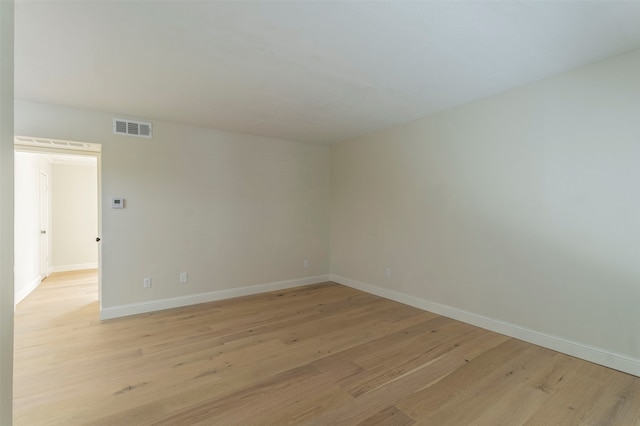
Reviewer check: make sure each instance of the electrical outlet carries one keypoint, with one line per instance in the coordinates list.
(306, 263)
(184, 277)
(147, 282)
(387, 272)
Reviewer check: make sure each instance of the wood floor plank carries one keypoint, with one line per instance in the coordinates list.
(396, 390)
(523, 400)
(322, 354)
(405, 362)
(390, 416)
(620, 403)
(483, 394)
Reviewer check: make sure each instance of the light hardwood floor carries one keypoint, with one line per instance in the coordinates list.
(317, 355)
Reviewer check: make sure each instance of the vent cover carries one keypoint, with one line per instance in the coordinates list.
(131, 128)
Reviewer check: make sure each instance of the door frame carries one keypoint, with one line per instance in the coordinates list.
(45, 220)
(57, 146)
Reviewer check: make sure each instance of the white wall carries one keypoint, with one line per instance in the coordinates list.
(28, 167)
(523, 208)
(74, 216)
(231, 210)
(6, 211)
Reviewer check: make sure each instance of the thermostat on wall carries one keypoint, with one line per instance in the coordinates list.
(117, 203)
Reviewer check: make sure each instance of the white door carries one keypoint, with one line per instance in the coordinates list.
(44, 225)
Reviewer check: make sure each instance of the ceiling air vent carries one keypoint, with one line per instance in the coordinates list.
(131, 128)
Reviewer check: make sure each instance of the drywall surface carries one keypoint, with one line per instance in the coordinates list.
(230, 210)
(6, 212)
(74, 217)
(27, 226)
(523, 207)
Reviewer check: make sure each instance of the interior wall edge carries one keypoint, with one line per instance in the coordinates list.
(6, 210)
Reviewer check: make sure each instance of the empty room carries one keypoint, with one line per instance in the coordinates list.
(321, 213)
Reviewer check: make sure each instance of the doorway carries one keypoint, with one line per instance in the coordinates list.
(57, 211)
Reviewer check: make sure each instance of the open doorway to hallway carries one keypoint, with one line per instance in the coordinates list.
(56, 216)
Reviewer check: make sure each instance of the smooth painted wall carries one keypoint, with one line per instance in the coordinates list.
(231, 210)
(27, 274)
(74, 216)
(523, 207)
(6, 212)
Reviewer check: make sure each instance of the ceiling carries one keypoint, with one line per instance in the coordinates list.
(312, 71)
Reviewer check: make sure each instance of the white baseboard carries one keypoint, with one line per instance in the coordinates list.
(212, 296)
(597, 355)
(19, 296)
(76, 267)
